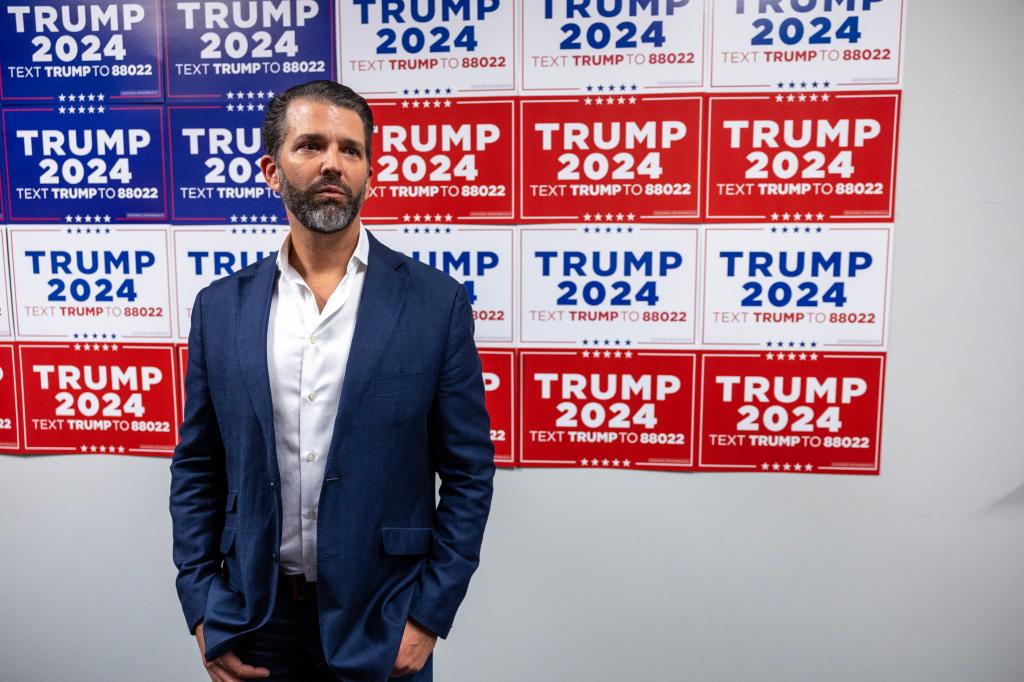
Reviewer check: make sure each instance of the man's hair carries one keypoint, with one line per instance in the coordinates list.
(275, 125)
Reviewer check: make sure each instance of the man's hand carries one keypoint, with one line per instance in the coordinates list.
(227, 668)
(417, 643)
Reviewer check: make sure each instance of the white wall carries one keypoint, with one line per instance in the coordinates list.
(622, 576)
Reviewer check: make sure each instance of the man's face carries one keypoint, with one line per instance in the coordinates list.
(321, 170)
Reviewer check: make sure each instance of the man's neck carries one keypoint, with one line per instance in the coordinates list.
(317, 256)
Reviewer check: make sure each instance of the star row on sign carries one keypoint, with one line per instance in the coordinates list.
(803, 84)
(96, 346)
(607, 342)
(253, 230)
(81, 110)
(791, 356)
(609, 230)
(608, 354)
(103, 448)
(94, 335)
(801, 97)
(605, 462)
(253, 218)
(427, 91)
(791, 344)
(86, 218)
(785, 467)
(797, 216)
(250, 94)
(81, 98)
(609, 100)
(608, 216)
(621, 87)
(426, 104)
(425, 230)
(426, 217)
(246, 107)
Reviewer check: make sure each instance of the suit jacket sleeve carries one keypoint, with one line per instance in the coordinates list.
(463, 456)
(198, 484)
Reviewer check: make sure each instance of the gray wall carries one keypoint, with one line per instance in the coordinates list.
(622, 576)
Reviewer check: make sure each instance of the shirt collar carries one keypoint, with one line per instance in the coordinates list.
(360, 257)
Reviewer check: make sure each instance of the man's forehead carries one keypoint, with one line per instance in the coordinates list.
(306, 116)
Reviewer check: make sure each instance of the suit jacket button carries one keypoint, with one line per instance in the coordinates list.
(274, 555)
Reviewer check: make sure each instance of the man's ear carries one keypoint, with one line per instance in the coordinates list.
(269, 168)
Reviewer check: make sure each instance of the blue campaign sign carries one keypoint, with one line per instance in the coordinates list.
(111, 47)
(215, 175)
(222, 48)
(85, 162)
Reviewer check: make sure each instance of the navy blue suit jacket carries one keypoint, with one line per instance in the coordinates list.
(412, 406)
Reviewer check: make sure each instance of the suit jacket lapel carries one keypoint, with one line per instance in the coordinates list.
(380, 306)
(255, 292)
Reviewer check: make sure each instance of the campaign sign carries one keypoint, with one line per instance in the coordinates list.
(806, 43)
(618, 285)
(90, 398)
(499, 392)
(221, 50)
(215, 174)
(6, 323)
(439, 160)
(820, 285)
(802, 157)
(85, 164)
(611, 157)
(607, 408)
(10, 433)
(91, 282)
(478, 257)
(100, 47)
(439, 47)
(791, 411)
(621, 46)
(205, 254)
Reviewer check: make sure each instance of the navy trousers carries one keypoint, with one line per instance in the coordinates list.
(289, 645)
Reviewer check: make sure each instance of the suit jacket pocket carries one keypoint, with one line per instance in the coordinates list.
(405, 541)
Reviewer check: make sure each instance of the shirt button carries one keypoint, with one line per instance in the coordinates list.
(311, 396)
(312, 340)
(310, 456)
(311, 515)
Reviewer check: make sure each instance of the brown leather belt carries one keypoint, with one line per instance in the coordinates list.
(296, 587)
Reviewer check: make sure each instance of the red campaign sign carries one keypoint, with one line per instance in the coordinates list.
(805, 156)
(442, 160)
(791, 411)
(10, 433)
(499, 391)
(92, 398)
(624, 409)
(615, 157)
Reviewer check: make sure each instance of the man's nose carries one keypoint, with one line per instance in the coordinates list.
(330, 161)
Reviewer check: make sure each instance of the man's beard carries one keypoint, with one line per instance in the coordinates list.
(325, 214)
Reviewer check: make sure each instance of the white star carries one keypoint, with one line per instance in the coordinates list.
(584, 462)
(447, 103)
(231, 95)
(61, 110)
(798, 467)
(586, 353)
(824, 97)
(628, 353)
(821, 216)
(786, 466)
(626, 462)
(764, 467)
(770, 356)
(775, 467)
(604, 462)
(779, 97)
(231, 107)
(447, 217)
(615, 462)
(587, 101)
(81, 109)
(100, 97)
(405, 104)
(632, 100)
(61, 98)
(803, 356)
(814, 356)
(99, 110)
(807, 467)
(775, 216)
(792, 356)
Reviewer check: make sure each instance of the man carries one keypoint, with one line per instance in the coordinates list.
(325, 388)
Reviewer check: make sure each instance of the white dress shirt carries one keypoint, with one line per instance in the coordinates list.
(307, 351)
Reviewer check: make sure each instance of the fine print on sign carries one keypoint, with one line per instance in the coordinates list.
(440, 160)
(607, 408)
(215, 174)
(88, 398)
(610, 284)
(74, 52)
(480, 258)
(602, 47)
(85, 163)
(802, 157)
(440, 48)
(220, 51)
(611, 157)
(809, 284)
(788, 44)
(91, 283)
(791, 411)
(205, 254)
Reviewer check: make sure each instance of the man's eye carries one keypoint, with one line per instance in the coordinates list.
(352, 150)
(310, 145)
